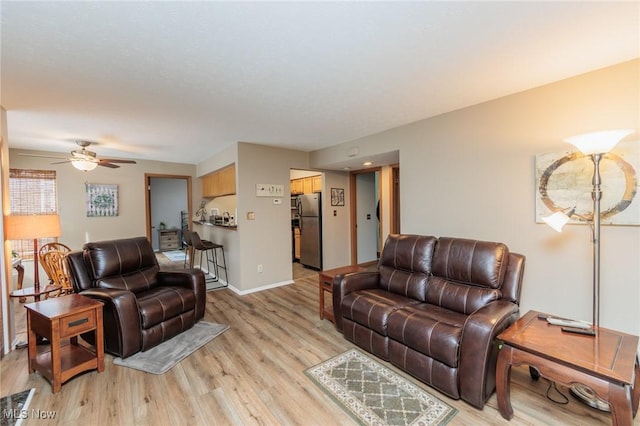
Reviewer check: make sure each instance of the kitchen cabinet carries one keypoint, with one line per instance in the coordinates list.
(296, 243)
(316, 183)
(219, 183)
(307, 185)
(297, 186)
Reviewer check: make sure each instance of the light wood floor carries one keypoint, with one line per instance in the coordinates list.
(253, 374)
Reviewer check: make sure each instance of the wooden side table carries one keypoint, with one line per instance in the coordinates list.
(61, 318)
(325, 285)
(23, 293)
(607, 363)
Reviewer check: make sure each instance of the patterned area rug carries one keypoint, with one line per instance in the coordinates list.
(166, 355)
(375, 395)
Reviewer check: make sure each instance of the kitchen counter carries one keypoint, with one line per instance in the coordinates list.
(232, 227)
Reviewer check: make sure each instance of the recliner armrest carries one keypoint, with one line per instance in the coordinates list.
(121, 317)
(192, 279)
(479, 349)
(347, 283)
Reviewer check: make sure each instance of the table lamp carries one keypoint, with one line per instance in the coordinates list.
(595, 145)
(25, 227)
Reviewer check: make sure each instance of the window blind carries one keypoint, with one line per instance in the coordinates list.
(32, 192)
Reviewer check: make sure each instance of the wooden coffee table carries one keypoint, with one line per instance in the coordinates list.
(61, 318)
(607, 363)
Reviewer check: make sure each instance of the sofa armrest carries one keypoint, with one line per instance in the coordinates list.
(347, 283)
(121, 320)
(479, 350)
(192, 279)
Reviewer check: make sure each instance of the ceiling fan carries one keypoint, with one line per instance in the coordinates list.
(86, 160)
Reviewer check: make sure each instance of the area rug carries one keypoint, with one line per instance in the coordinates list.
(15, 407)
(162, 358)
(174, 255)
(375, 395)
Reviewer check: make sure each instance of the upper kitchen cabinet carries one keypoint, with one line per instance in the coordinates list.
(219, 183)
(306, 185)
(316, 183)
(297, 186)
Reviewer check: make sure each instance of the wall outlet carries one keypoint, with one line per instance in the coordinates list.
(259, 269)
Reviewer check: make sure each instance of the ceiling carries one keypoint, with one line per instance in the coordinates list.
(180, 81)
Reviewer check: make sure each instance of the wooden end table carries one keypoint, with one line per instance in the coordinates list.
(23, 293)
(61, 318)
(325, 284)
(607, 363)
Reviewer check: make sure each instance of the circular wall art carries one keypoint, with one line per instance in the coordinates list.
(565, 180)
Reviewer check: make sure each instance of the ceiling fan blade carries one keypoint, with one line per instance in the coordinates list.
(42, 156)
(113, 160)
(62, 162)
(105, 164)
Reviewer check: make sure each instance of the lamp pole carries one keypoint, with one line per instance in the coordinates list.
(596, 195)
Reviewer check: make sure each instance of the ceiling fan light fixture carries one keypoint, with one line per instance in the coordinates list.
(84, 165)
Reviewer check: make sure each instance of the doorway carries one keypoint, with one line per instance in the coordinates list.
(375, 210)
(366, 212)
(168, 205)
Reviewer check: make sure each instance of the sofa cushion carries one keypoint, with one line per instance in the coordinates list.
(135, 282)
(119, 257)
(480, 263)
(405, 283)
(162, 303)
(428, 329)
(408, 252)
(462, 298)
(371, 308)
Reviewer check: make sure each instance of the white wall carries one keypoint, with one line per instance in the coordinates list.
(267, 239)
(470, 173)
(336, 233)
(76, 226)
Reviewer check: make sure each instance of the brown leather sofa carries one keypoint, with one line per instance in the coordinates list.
(434, 308)
(143, 306)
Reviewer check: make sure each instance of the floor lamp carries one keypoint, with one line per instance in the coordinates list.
(26, 227)
(594, 145)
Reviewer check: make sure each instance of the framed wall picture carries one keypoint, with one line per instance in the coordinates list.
(102, 200)
(564, 180)
(337, 196)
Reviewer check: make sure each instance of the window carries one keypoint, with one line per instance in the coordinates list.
(32, 192)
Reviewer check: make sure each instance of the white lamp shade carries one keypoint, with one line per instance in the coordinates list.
(557, 220)
(598, 142)
(84, 165)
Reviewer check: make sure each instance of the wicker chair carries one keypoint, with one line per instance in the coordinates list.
(52, 257)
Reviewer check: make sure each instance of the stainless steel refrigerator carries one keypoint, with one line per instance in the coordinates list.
(310, 213)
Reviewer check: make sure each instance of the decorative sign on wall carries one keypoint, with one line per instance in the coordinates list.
(564, 180)
(269, 190)
(102, 200)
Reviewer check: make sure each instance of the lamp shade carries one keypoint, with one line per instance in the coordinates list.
(24, 227)
(84, 165)
(598, 142)
(557, 220)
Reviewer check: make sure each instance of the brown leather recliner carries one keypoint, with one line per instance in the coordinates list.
(434, 308)
(143, 306)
